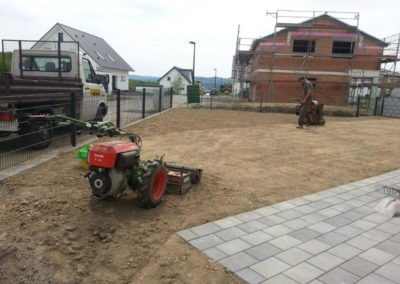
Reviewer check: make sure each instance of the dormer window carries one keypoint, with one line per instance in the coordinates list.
(112, 59)
(99, 55)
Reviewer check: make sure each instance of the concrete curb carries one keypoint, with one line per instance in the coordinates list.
(53, 154)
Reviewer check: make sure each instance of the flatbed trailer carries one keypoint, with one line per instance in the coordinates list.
(27, 90)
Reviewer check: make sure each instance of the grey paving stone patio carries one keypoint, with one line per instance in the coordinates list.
(333, 236)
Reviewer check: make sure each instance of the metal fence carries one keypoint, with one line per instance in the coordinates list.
(24, 136)
(212, 100)
(388, 106)
(361, 106)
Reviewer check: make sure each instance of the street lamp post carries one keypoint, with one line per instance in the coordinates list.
(215, 80)
(194, 60)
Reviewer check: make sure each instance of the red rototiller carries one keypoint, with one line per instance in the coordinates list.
(116, 165)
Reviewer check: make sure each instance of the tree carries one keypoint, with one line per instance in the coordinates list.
(227, 87)
(177, 84)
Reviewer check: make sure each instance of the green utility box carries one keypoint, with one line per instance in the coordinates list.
(193, 94)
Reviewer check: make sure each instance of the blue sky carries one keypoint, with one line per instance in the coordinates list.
(153, 35)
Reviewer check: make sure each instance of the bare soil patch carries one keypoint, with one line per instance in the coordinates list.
(53, 231)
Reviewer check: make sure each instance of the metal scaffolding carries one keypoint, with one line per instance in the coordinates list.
(248, 61)
(241, 59)
(392, 50)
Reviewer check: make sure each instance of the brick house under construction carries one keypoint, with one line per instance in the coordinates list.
(324, 49)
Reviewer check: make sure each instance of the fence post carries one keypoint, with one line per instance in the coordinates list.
(73, 115)
(211, 99)
(358, 106)
(2, 56)
(21, 72)
(376, 106)
(118, 108)
(144, 103)
(59, 58)
(171, 92)
(160, 100)
(382, 104)
(79, 63)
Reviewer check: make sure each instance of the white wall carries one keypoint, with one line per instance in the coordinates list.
(236, 87)
(173, 74)
(121, 83)
(52, 35)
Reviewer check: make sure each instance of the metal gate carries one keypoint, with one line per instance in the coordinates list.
(390, 106)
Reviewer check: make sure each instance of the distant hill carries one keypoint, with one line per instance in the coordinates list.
(208, 82)
(143, 78)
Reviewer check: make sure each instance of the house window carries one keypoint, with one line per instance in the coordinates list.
(304, 46)
(169, 79)
(123, 79)
(60, 37)
(343, 47)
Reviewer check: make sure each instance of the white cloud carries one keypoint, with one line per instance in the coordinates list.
(153, 35)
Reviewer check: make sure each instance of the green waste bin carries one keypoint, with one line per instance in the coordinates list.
(193, 94)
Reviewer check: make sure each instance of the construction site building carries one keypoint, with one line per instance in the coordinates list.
(335, 55)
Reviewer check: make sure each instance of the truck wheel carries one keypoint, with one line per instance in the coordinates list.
(101, 113)
(104, 109)
(5, 134)
(39, 137)
(153, 185)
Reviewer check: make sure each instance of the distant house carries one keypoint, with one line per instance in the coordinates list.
(174, 75)
(105, 60)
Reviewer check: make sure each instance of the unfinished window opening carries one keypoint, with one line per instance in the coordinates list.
(304, 46)
(343, 47)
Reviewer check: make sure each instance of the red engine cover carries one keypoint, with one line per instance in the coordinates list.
(104, 155)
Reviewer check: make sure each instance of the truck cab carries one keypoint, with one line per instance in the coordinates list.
(94, 94)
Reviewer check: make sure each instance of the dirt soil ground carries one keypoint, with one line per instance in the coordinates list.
(53, 231)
